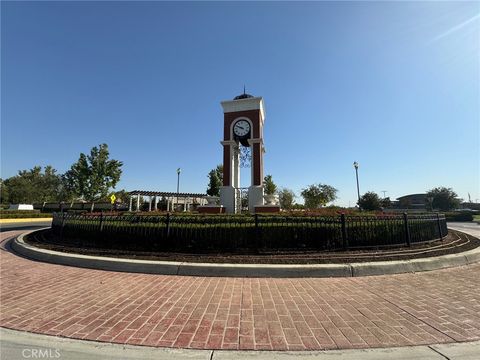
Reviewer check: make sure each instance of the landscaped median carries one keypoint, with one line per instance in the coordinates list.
(251, 246)
(245, 233)
(347, 269)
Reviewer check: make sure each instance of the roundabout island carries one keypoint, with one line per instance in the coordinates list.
(278, 246)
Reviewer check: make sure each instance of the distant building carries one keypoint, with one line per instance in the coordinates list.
(21, 207)
(470, 205)
(412, 201)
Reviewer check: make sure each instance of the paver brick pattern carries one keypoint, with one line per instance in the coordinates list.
(240, 313)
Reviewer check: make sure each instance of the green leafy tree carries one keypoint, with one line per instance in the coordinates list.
(215, 181)
(92, 176)
(20, 190)
(318, 195)
(34, 186)
(443, 198)
(370, 201)
(3, 192)
(286, 198)
(51, 185)
(386, 202)
(268, 185)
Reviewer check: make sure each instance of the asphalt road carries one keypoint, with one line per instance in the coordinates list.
(25, 225)
(471, 228)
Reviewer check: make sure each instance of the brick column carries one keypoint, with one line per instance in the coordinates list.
(227, 171)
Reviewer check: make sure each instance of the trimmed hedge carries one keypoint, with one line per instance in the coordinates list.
(459, 216)
(22, 214)
(243, 233)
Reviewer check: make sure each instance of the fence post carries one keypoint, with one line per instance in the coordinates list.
(168, 226)
(257, 235)
(101, 221)
(344, 232)
(439, 226)
(63, 225)
(407, 230)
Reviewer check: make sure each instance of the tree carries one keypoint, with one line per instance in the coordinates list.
(215, 180)
(386, 202)
(268, 185)
(286, 198)
(318, 195)
(51, 185)
(3, 192)
(92, 176)
(370, 201)
(443, 198)
(34, 186)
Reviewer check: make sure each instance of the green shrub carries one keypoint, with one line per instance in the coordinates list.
(19, 214)
(459, 216)
(212, 233)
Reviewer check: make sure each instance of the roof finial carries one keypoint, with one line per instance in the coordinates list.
(244, 89)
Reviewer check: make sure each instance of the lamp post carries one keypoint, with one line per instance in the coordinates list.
(355, 165)
(178, 183)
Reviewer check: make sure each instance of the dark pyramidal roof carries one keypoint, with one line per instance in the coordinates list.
(243, 96)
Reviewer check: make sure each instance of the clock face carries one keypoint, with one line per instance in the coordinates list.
(241, 128)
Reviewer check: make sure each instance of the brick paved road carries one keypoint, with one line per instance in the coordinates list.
(240, 313)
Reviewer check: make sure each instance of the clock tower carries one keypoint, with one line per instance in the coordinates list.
(244, 117)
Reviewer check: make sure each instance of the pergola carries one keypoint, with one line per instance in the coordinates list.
(173, 198)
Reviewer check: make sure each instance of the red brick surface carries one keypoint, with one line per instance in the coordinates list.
(211, 209)
(267, 209)
(240, 313)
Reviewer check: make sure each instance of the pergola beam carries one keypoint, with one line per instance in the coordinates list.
(155, 195)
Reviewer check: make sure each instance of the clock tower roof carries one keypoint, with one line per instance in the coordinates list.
(243, 96)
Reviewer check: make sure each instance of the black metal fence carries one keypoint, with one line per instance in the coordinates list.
(207, 233)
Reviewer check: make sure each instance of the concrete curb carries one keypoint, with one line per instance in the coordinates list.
(19, 345)
(25, 220)
(244, 270)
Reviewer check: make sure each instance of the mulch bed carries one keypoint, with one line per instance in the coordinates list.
(455, 242)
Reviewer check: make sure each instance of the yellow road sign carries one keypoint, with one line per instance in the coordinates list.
(113, 198)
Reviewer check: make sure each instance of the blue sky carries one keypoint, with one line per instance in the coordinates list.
(392, 85)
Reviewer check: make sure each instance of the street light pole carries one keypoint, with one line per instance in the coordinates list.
(178, 184)
(355, 165)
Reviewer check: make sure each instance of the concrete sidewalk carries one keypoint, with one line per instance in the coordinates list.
(21, 345)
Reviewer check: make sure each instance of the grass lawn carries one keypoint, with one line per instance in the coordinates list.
(476, 218)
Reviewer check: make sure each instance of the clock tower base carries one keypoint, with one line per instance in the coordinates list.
(255, 197)
(227, 199)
